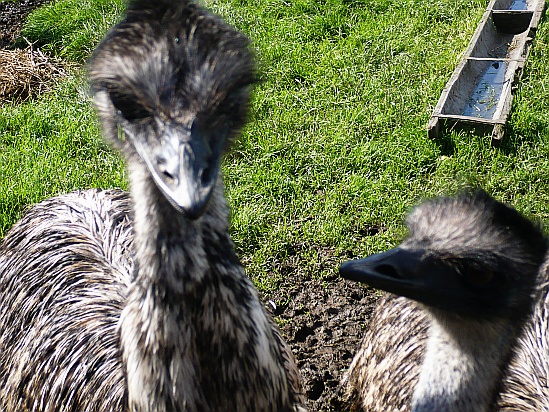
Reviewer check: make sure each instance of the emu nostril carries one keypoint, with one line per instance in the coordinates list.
(387, 270)
(164, 167)
(206, 175)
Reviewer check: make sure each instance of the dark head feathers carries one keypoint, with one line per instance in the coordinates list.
(468, 255)
(478, 222)
(494, 248)
(173, 60)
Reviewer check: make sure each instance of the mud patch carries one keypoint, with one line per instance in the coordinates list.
(324, 322)
(12, 16)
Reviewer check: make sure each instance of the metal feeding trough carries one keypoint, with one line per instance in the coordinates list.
(478, 95)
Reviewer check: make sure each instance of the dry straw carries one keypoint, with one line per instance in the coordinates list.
(25, 73)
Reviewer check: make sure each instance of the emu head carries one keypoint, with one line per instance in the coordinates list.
(171, 84)
(469, 255)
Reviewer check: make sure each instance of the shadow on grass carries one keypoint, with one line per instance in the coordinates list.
(517, 134)
(446, 144)
(514, 136)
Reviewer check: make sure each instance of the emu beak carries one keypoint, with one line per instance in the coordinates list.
(184, 166)
(389, 270)
(409, 273)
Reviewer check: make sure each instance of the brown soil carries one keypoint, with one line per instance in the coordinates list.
(12, 15)
(323, 320)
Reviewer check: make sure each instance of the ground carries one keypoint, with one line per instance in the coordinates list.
(24, 72)
(323, 320)
(12, 15)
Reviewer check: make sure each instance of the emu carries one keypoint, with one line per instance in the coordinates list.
(470, 267)
(137, 302)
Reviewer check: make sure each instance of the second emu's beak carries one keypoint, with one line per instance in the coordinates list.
(395, 270)
(411, 274)
(184, 166)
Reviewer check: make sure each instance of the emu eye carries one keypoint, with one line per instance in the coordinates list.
(130, 108)
(477, 277)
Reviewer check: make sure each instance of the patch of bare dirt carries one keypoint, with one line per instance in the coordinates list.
(12, 16)
(324, 322)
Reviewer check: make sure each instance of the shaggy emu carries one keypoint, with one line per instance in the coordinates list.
(473, 265)
(111, 303)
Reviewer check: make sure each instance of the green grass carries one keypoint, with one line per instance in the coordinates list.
(71, 28)
(52, 146)
(336, 150)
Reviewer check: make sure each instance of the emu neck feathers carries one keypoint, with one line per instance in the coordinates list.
(462, 365)
(172, 248)
(193, 319)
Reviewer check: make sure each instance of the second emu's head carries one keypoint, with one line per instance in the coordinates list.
(173, 90)
(469, 255)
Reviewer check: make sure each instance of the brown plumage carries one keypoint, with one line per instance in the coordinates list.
(526, 384)
(384, 372)
(474, 264)
(117, 302)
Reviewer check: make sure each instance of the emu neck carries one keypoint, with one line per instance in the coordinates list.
(192, 317)
(169, 246)
(463, 364)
